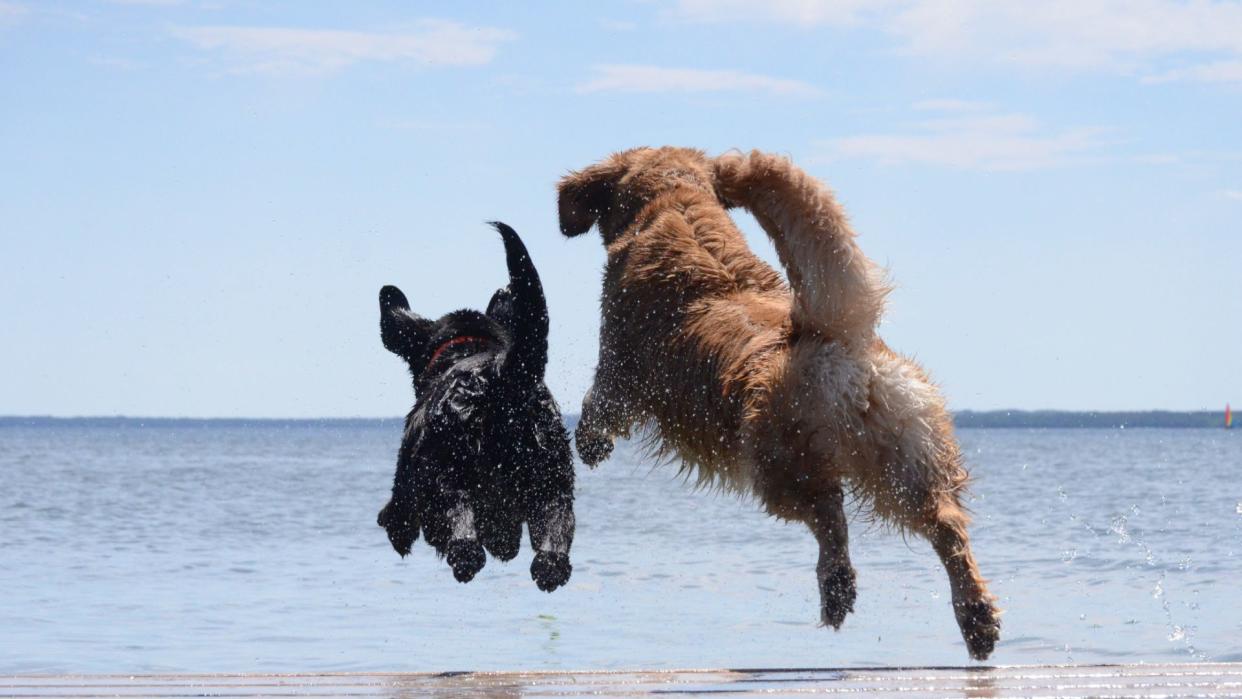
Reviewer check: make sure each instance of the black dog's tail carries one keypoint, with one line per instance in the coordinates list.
(528, 357)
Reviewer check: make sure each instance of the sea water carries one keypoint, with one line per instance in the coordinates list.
(253, 547)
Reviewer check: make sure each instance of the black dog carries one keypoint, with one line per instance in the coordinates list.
(485, 448)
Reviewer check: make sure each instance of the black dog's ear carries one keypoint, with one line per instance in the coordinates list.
(583, 196)
(404, 332)
(500, 308)
(522, 308)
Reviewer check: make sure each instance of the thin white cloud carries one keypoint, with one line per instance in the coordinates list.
(1234, 194)
(280, 50)
(11, 12)
(1190, 158)
(950, 105)
(1159, 159)
(800, 12)
(1132, 37)
(114, 62)
(989, 142)
(1217, 72)
(1126, 35)
(432, 125)
(618, 25)
(152, 3)
(644, 78)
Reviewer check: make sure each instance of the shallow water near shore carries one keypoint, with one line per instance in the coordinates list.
(253, 547)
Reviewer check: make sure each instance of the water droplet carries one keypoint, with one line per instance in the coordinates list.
(1118, 527)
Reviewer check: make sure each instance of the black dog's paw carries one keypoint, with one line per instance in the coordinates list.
(402, 527)
(466, 558)
(502, 538)
(837, 591)
(550, 570)
(593, 447)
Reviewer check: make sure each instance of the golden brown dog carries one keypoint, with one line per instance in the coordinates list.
(784, 390)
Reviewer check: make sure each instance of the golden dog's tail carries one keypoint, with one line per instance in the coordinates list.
(838, 292)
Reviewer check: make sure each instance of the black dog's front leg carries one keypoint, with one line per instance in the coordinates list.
(399, 518)
(464, 552)
(551, 525)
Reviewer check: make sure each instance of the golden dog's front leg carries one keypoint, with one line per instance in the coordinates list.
(601, 422)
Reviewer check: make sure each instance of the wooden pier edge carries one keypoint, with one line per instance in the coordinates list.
(1137, 680)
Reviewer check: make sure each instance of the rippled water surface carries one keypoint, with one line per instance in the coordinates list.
(254, 548)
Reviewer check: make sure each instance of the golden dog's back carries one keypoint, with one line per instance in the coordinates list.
(690, 308)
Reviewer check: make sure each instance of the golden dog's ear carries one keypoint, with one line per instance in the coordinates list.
(583, 196)
(734, 178)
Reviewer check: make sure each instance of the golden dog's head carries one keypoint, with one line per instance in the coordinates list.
(611, 192)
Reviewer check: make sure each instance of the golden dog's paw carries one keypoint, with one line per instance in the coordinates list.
(593, 447)
(980, 624)
(837, 591)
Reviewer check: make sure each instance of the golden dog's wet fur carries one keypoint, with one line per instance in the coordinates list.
(784, 390)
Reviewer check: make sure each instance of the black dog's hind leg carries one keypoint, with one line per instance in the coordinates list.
(551, 524)
(463, 551)
(500, 530)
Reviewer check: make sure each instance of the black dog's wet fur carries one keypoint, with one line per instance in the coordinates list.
(485, 448)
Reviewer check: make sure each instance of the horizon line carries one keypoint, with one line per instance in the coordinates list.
(355, 418)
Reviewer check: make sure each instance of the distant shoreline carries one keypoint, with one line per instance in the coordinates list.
(1073, 419)
(967, 419)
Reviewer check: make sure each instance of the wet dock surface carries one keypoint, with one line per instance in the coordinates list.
(1155, 680)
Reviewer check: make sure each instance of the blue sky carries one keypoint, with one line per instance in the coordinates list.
(200, 200)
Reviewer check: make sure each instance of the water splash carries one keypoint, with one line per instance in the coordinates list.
(1118, 527)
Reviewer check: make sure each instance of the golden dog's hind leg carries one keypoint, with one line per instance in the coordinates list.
(904, 495)
(975, 607)
(934, 511)
(837, 588)
(915, 478)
